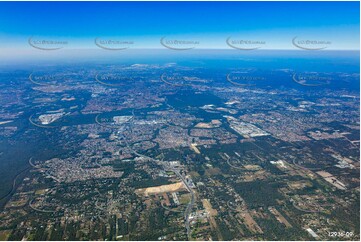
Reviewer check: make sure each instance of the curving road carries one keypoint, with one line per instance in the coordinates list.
(13, 188)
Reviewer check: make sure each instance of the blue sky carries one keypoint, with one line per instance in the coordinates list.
(210, 23)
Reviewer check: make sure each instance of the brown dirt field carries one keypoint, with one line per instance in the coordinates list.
(250, 223)
(161, 189)
(208, 206)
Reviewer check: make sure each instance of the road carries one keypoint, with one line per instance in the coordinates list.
(167, 167)
(190, 204)
(13, 188)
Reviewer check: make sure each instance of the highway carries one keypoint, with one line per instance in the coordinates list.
(167, 167)
(190, 204)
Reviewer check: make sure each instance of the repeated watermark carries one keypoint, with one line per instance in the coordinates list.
(310, 44)
(181, 79)
(310, 80)
(244, 79)
(117, 44)
(113, 79)
(47, 43)
(113, 121)
(173, 79)
(47, 120)
(178, 44)
(245, 44)
(113, 44)
(43, 80)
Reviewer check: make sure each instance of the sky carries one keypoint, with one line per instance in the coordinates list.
(272, 25)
